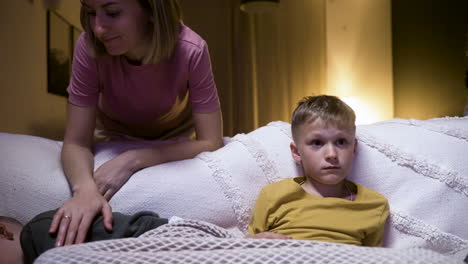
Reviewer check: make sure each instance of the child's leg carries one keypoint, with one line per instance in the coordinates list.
(35, 237)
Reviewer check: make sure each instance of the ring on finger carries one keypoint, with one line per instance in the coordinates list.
(67, 217)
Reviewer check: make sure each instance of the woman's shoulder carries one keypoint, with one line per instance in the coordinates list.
(81, 42)
(82, 53)
(190, 39)
(82, 49)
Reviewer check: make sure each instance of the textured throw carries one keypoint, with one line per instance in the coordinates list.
(197, 242)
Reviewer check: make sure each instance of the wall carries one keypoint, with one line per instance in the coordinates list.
(359, 56)
(44, 114)
(429, 60)
(428, 66)
(25, 105)
(289, 56)
(212, 20)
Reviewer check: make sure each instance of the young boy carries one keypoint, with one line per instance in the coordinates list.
(321, 205)
(20, 244)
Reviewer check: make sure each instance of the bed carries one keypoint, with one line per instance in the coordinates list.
(420, 166)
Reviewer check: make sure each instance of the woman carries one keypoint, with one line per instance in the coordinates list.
(138, 72)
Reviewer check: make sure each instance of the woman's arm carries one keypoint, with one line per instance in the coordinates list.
(77, 158)
(113, 174)
(208, 127)
(73, 218)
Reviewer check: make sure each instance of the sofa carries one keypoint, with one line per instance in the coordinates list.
(421, 166)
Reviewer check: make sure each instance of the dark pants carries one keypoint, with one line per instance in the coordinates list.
(35, 237)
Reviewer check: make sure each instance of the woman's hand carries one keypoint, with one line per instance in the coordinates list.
(268, 235)
(112, 175)
(72, 220)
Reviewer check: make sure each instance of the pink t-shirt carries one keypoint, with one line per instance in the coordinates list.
(151, 101)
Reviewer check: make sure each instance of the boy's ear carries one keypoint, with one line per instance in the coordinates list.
(295, 152)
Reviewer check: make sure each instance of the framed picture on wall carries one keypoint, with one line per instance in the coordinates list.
(61, 38)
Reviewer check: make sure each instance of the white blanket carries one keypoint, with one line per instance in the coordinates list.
(420, 166)
(203, 243)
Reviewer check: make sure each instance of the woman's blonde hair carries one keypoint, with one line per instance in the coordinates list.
(164, 27)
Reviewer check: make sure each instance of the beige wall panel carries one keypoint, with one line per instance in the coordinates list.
(429, 58)
(212, 20)
(290, 45)
(359, 56)
(25, 105)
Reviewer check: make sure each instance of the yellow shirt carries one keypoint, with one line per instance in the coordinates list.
(285, 208)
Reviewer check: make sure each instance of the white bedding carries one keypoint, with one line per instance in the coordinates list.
(420, 166)
(203, 243)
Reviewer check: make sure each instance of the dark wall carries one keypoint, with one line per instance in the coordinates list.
(212, 20)
(429, 62)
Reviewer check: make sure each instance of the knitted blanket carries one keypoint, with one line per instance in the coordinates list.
(198, 242)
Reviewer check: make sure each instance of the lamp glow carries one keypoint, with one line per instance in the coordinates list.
(365, 114)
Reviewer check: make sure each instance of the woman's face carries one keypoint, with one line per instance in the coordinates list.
(121, 26)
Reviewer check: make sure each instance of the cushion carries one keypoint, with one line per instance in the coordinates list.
(421, 167)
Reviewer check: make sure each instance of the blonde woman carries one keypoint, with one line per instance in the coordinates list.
(138, 72)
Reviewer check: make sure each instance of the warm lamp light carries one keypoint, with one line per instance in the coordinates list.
(258, 6)
(365, 114)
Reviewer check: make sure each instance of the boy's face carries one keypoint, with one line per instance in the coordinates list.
(325, 151)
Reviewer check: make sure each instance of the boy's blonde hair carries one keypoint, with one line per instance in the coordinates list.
(165, 17)
(326, 107)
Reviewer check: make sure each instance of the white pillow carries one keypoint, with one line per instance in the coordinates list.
(31, 176)
(422, 168)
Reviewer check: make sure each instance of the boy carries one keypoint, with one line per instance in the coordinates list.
(322, 204)
(20, 244)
